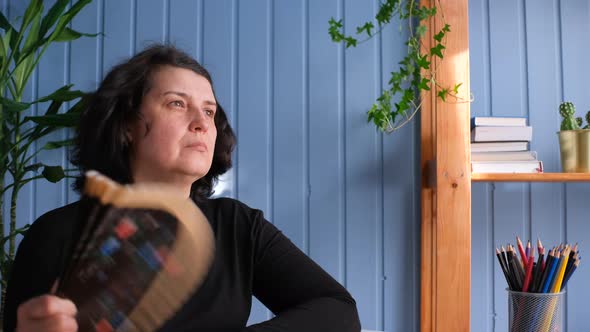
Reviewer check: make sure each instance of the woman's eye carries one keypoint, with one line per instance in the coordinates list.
(210, 113)
(176, 103)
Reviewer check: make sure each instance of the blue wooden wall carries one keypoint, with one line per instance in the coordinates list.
(526, 57)
(345, 194)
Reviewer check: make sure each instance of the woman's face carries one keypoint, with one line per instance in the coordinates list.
(174, 139)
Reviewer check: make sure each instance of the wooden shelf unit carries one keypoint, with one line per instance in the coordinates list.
(446, 181)
(530, 177)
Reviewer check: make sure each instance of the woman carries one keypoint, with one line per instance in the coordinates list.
(156, 118)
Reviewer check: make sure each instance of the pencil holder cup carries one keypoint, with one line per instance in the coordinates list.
(535, 312)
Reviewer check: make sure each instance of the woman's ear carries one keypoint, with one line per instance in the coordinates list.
(128, 135)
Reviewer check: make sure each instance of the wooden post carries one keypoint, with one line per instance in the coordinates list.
(446, 204)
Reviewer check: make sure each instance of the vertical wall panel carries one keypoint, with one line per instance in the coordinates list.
(508, 98)
(482, 241)
(52, 73)
(575, 27)
(398, 268)
(85, 58)
(119, 32)
(219, 56)
(363, 175)
(326, 151)
(184, 25)
(544, 88)
(151, 18)
(289, 127)
(254, 116)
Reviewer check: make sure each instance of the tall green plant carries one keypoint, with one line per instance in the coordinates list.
(415, 71)
(20, 52)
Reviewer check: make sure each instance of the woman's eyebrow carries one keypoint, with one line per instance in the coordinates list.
(187, 96)
(182, 94)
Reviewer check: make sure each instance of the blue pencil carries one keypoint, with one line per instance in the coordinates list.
(549, 280)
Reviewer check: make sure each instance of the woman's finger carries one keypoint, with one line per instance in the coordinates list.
(44, 306)
(55, 323)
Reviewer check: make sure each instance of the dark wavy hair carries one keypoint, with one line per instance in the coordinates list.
(102, 143)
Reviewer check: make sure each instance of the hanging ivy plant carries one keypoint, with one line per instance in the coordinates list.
(415, 73)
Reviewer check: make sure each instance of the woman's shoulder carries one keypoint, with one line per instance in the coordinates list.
(57, 221)
(228, 210)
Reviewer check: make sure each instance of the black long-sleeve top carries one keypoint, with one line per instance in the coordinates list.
(252, 257)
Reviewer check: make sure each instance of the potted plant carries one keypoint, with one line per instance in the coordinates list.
(416, 71)
(574, 140)
(20, 51)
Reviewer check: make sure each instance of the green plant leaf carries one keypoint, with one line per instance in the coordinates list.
(424, 84)
(334, 30)
(367, 27)
(80, 105)
(53, 107)
(52, 16)
(439, 36)
(32, 34)
(443, 94)
(4, 23)
(53, 173)
(62, 94)
(350, 41)
(25, 60)
(33, 167)
(65, 19)
(10, 105)
(58, 144)
(456, 88)
(437, 50)
(17, 231)
(69, 34)
(59, 120)
(5, 46)
(34, 9)
(421, 30)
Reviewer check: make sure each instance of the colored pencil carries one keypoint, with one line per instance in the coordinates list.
(567, 276)
(538, 271)
(521, 250)
(514, 265)
(529, 271)
(504, 269)
(552, 268)
(561, 271)
(541, 248)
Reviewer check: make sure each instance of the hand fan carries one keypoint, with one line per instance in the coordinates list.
(143, 250)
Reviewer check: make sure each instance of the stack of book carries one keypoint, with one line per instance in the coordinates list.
(501, 145)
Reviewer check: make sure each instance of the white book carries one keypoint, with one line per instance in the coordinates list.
(498, 146)
(504, 156)
(498, 134)
(499, 121)
(533, 166)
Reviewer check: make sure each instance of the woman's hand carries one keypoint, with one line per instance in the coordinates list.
(47, 313)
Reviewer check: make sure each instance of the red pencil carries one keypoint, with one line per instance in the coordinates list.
(529, 272)
(523, 256)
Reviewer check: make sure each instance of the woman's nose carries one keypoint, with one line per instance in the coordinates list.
(199, 121)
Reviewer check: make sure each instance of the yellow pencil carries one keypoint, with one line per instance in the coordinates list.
(559, 276)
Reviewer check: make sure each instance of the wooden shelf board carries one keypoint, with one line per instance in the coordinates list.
(530, 177)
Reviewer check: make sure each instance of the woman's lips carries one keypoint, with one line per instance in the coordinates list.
(198, 146)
